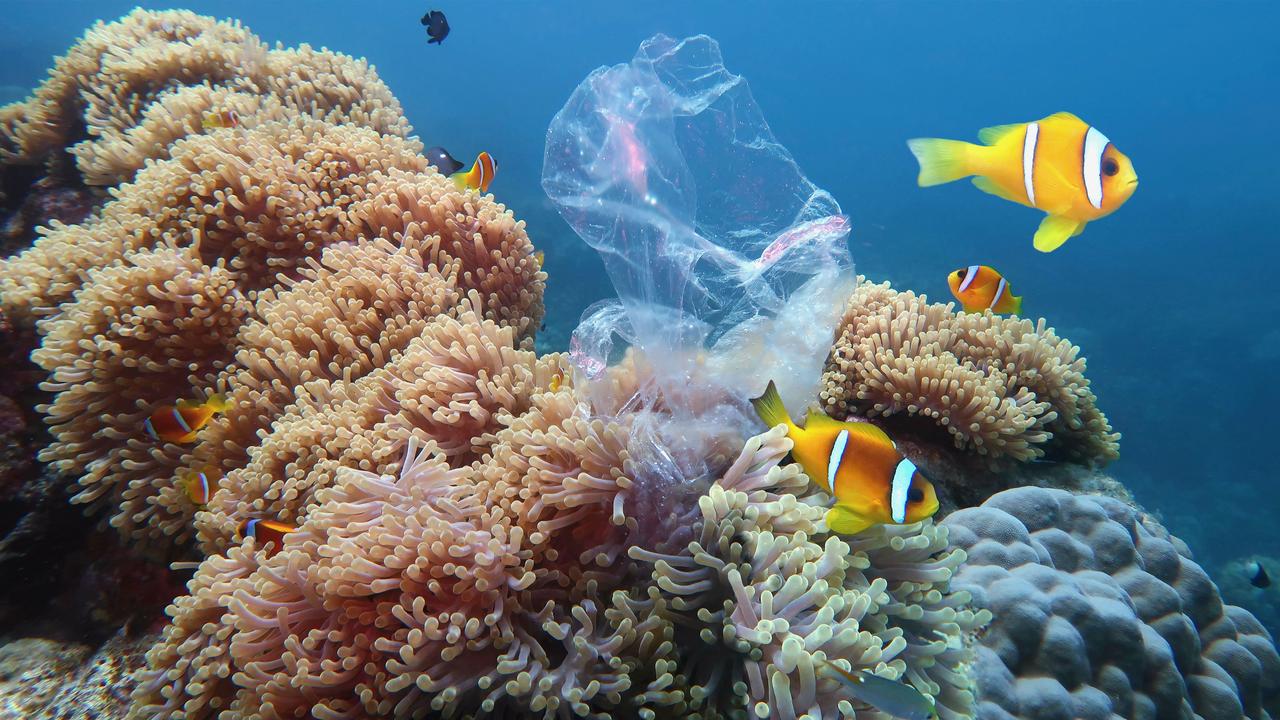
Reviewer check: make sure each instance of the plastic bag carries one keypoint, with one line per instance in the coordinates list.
(731, 268)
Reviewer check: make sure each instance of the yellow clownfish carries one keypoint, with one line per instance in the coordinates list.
(198, 484)
(872, 482)
(979, 288)
(479, 176)
(1060, 165)
(265, 531)
(180, 424)
(223, 119)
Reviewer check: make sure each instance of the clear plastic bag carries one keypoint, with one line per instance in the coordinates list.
(731, 268)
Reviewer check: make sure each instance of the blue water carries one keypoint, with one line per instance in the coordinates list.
(1170, 298)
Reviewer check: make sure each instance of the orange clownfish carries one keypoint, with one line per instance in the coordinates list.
(1061, 165)
(479, 176)
(872, 482)
(180, 424)
(223, 119)
(979, 288)
(265, 531)
(198, 484)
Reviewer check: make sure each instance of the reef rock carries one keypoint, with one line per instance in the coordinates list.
(1099, 613)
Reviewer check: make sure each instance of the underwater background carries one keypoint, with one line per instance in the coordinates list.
(1172, 299)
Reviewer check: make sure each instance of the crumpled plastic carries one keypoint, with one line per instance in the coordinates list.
(731, 267)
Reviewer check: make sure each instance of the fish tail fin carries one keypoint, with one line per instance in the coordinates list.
(460, 179)
(1016, 305)
(942, 161)
(217, 402)
(844, 520)
(770, 408)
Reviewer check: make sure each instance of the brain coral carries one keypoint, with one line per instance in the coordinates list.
(1002, 387)
(1100, 614)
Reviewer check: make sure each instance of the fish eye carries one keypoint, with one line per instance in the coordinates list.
(1110, 167)
(915, 495)
(962, 272)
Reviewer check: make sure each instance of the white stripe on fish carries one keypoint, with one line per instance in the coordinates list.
(970, 275)
(999, 291)
(1095, 144)
(1029, 143)
(837, 454)
(901, 485)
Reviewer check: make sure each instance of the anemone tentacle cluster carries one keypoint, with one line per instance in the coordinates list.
(1001, 387)
(308, 244)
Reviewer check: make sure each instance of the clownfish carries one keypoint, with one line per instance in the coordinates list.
(872, 482)
(1061, 165)
(539, 257)
(223, 119)
(265, 531)
(180, 424)
(979, 288)
(197, 484)
(479, 176)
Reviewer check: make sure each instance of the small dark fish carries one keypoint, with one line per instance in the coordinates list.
(1258, 576)
(441, 160)
(437, 26)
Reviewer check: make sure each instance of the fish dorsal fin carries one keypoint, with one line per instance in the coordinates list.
(991, 135)
(1064, 115)
(816, 419)
(869, 431)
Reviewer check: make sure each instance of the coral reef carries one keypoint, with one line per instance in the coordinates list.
(308, 244)
(41, 678)
(127, 90)
(1002, 387)
(501, 587)
(1099, 613)
(764, 578)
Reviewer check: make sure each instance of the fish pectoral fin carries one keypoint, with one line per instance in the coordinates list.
(991, 135)
(1054, 230)
(846, 521)
(986, 185)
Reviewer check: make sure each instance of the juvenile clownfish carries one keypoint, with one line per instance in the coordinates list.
(1061, 165)
(872, 482)
(539, 256)
(223, 119)
(479, 176)
(180, 424)
(979, 288)
(198, 485)
(265, 531)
